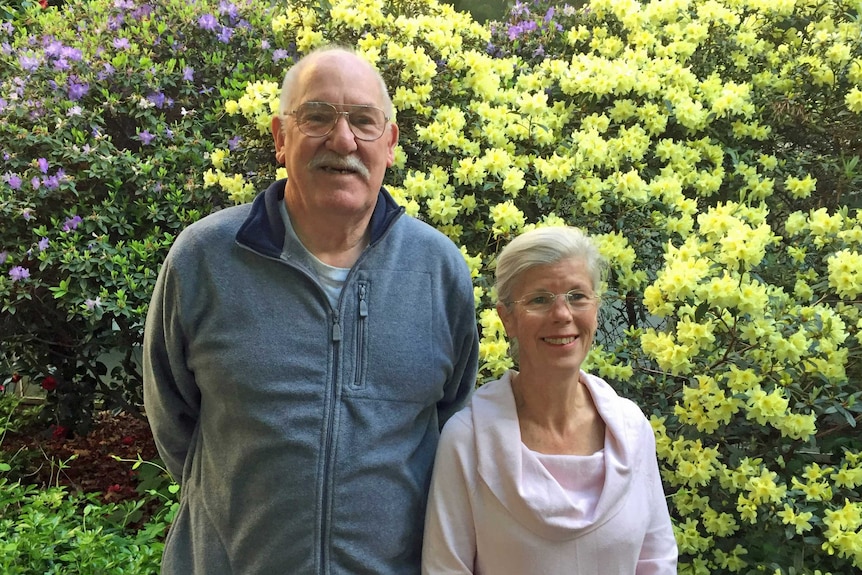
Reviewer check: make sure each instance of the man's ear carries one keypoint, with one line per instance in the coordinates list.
(392, 136)
(278, 137)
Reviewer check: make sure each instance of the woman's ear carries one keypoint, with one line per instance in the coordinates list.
(505, 313)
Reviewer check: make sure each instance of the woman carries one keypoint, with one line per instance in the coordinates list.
(548, 471)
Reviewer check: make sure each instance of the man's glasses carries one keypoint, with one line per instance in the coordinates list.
(543, 301)
(318, 119)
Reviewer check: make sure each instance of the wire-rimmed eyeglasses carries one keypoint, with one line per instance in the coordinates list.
(543, 301)
(318, 119)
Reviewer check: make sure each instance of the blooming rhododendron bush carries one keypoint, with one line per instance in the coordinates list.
(108, 112)
(711, 147)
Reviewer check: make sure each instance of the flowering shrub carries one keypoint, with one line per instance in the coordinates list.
(710, 146)
(108, 113)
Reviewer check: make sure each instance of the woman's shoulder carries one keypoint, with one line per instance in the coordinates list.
(457, 438)
(488, 403)
(611, 404)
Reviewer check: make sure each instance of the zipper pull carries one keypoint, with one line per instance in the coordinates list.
(363, 304)
(336, 329)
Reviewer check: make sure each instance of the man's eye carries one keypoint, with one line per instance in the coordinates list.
(361, 119)
(317, 118)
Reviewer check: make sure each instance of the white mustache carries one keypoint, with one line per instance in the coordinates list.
(338, 162)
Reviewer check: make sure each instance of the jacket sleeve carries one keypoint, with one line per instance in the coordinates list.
(449, 545)
(171, 395)
(465, 339)
(658, 555)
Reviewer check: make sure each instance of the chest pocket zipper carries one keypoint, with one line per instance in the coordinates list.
(361, 337)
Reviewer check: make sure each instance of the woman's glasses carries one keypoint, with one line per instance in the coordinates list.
(543, 301)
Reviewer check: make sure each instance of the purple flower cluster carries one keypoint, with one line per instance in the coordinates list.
(75, 89)
(159, 100)
(146, 137)
(49, 181)
(530, 27)
(54, 52)
(72, 223)
(19, 273)
(224, 33)
(521, 28)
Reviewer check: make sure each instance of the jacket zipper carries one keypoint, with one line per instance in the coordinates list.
(359, 378)
(336, 334)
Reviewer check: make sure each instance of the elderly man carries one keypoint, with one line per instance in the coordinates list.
(302, 352)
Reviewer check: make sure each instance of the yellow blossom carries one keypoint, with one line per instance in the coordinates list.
(231, 107)
(813, 490)
(217, 157)
(507, 218)
(720, 524)
(442, 209)
(766, 407)
(853, 99)
(799, 521)
(797, 425)
(847, 477)
(732, 561)
(211, 178)
(845, 273)
(746, 508)
(800, 188)
(513, 182)
(764, 488)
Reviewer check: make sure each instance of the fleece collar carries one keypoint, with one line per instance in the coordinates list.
(263, 229)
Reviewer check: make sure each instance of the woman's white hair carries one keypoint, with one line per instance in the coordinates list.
(545, 246)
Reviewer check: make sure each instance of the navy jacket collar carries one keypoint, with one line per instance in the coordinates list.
(263, 229)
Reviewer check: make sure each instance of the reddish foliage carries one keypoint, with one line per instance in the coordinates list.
(93, 470)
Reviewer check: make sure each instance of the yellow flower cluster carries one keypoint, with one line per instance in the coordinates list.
(257, 105)
(844, 532)
(619, 253)
(508, 219)
(706, 406)
(845, 273)
(236, 187)
(607, 365)
(493, 347)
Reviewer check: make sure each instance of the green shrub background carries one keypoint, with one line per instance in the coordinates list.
(711, 147)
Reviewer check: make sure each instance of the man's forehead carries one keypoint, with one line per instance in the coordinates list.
(342, 77)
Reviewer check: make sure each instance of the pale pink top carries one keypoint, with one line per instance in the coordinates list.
(497, 508)
(580, 476)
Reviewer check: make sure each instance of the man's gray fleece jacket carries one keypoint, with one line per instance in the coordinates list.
(303, 435)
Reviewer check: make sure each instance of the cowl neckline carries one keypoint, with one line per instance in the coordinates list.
(522, 484)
